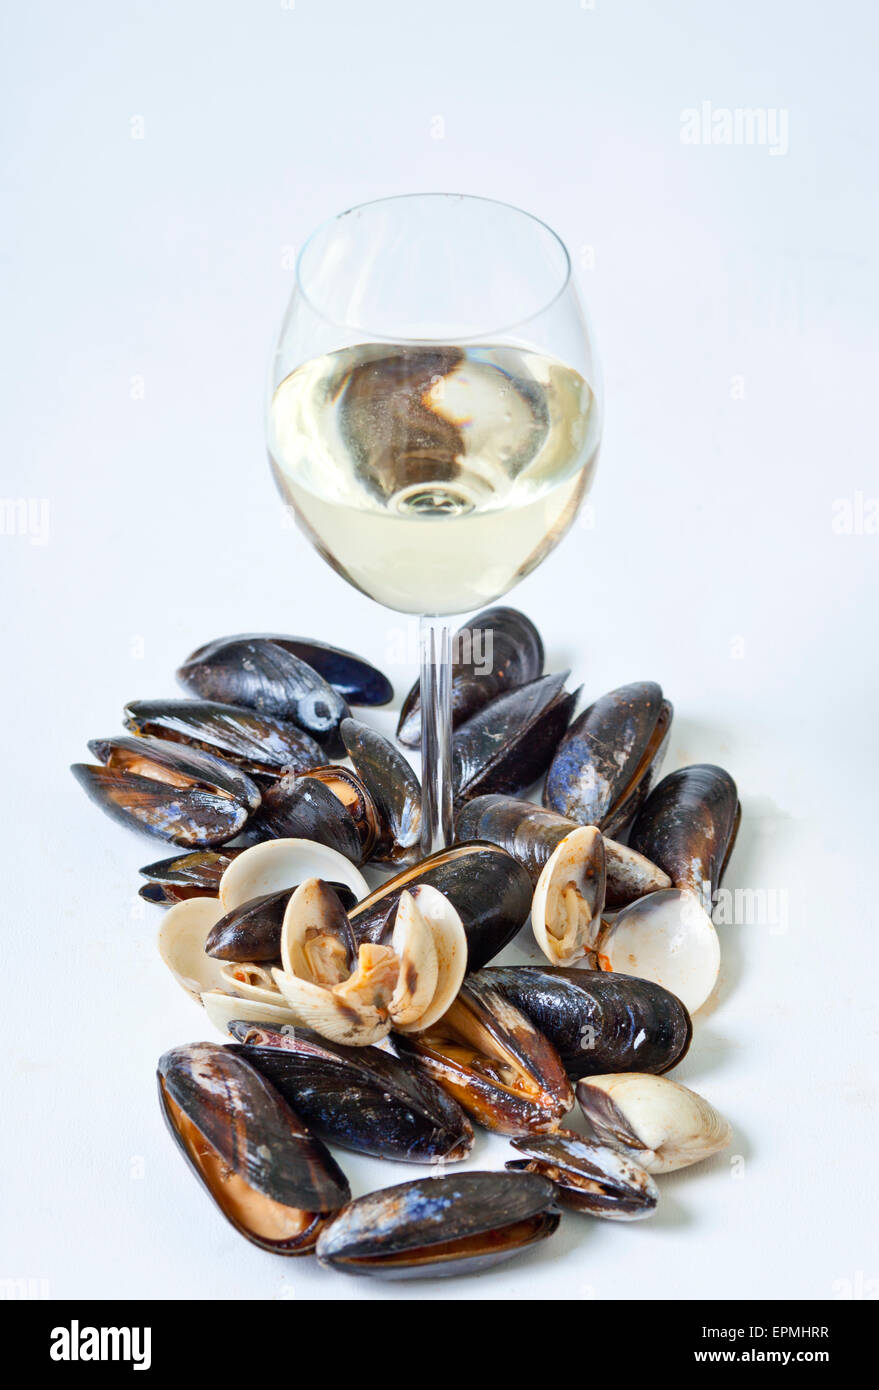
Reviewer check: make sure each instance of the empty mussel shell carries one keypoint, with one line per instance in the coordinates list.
(666, 937)
(256, 742)
(489, 890)
(275, 1182)
(361, 1098)
(509, 743)
(588, 1177)
(457, 1224)
(489, 1056)
(263, 675)
(193, 875)
(569, 897)
(178, 793)
(494, 652)
(656, 1122)
(609, 758)
(688, 825)
(598, 1022)
(531, 834)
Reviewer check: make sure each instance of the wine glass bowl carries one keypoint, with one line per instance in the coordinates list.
(434, 415)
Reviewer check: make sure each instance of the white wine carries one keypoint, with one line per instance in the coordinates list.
(434, 478)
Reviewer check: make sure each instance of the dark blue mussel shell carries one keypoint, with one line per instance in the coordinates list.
(440, 1226)
(360, 1098)
(264, 675)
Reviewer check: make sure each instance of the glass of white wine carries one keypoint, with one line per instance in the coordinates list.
(434, 418)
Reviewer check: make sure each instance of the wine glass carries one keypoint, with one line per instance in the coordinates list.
(434, 418)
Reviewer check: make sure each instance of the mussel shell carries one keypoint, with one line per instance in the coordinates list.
(394, 790)
(528, 832)
(256, 742)
(489, 1056)
(589, 1177)
(488, 889)
(452, 1225)
(166, 789)
(252, 932)
(193, 875)
(302, 807)
(610, 756)
(356, 680)
(599, 1022)
(262, 675)
(213, 1099)
(531, 833)
(509, 743)
(515, 657)
(688, 826)
(360, 1098)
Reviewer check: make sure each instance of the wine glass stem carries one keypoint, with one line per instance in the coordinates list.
(436, 734)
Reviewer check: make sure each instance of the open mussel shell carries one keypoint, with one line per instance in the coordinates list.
(440, 1226)
(531, 834)
(271, 1179)
(669, 938)
(688, 825)
(496, 651)
(256, 742)
(394, 790)
(610, 757)
(355, 679)
(489, 890)
(193, 875)
(307, 806)
(598, 1022)
(656, 1122)
(178, 793)
(588, 1177)
(263, 675)
(361, 1098)
(509, 743)
(569, 897)
(491, 1059)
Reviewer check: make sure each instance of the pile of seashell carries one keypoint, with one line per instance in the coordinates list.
(369, 1018)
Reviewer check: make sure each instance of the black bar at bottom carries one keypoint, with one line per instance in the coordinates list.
(240, 1338)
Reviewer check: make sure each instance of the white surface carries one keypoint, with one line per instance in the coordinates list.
(162, 262)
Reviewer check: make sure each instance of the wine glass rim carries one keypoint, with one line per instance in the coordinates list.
(413, 197)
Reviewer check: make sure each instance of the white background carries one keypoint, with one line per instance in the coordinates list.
(145, 280)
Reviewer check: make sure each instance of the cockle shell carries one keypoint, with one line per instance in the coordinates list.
(666, 937)
(276, 864)
(656, 1122)
(406, 983)
(567, 902)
